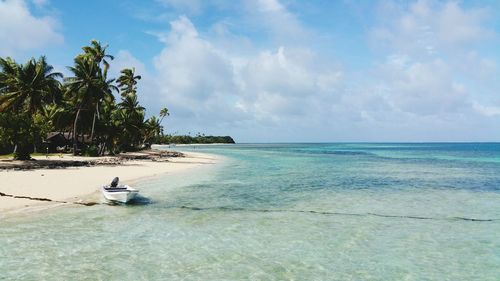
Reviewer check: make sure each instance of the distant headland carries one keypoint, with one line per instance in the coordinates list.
(199, 139)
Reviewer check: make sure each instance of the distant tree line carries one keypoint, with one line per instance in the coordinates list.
(186, 139)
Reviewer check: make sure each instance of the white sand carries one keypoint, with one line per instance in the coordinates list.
(77, 184)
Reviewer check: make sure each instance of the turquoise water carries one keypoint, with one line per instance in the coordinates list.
(282, 212)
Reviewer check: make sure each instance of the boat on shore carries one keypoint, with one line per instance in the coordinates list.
(118, 193)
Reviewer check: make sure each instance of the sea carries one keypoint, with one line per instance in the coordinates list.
(329, 211)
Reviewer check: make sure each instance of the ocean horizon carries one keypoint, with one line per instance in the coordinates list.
(282, 211)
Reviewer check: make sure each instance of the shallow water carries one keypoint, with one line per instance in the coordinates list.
(283, 212)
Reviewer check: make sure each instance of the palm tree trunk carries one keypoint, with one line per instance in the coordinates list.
(96, 112)
(102, 148)
(34, 142)
(75, 140)
(70, 134)
(92, 132)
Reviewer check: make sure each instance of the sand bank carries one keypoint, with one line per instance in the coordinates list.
(81, 184)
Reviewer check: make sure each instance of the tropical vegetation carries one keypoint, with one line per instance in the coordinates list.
(83, 107)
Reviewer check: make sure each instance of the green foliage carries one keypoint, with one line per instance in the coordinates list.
(130, 118)
(87, 89)
(152, 130)
(97, 53)
(42, 125)
(127, 82)
(16, 130)
(91, 151)
(24, 90)
(27, 87)
(35, 102)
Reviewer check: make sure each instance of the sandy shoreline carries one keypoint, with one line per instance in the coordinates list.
(81, 184)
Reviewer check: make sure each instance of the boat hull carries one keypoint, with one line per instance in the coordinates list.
(122, 195)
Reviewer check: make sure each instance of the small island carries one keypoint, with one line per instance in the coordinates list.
(198, 139)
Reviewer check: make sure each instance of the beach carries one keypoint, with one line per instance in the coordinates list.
(38, 189)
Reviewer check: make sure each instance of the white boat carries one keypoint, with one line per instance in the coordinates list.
(119, 193)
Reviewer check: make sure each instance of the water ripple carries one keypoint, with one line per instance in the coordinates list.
(223, 208)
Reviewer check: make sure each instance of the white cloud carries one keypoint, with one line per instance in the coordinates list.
(288, 84)
(430, 27)
(486, 110)
(477, 67)
(423, 88)
(274, 18)
(457, 26)
(432, 69)
(124, 59)
(202, 83)
(190, 66)
(195, 78)
(20, 30)
(147, 86)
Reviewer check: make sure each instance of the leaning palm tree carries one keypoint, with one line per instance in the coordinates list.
(164, 112)
(128, 81)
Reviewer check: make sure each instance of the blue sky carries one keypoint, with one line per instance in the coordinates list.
(287, 70)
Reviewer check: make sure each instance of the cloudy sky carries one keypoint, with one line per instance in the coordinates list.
(288, 70)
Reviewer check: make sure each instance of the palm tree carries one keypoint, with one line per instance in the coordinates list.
(106, 88)
(152, 129)
(127, 81)
(87, 89)
(130, 106)
(131, 115)
(25, 88)
(108, 126)
(98, 53)
(164, 112)
(8, 74)
(50, 114)
(28, 86)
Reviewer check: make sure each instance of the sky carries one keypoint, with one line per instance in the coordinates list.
(287, 70)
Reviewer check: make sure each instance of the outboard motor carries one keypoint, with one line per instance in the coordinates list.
(114, 183)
